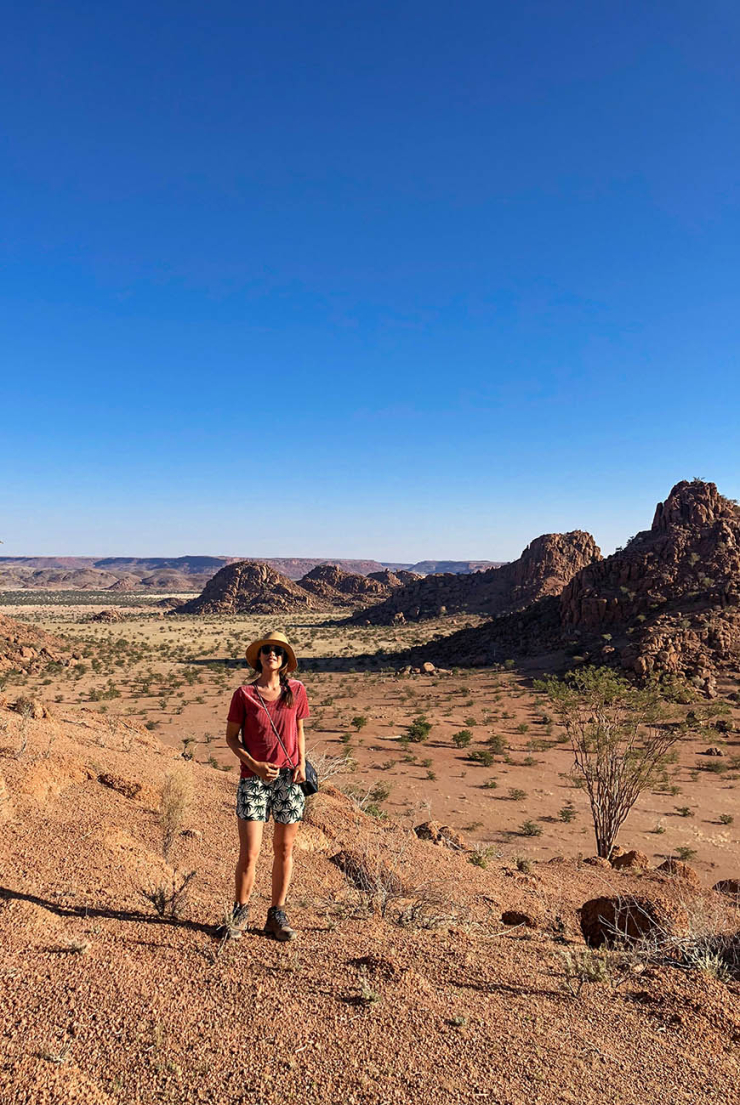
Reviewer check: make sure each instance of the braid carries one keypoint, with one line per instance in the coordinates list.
(286, 696)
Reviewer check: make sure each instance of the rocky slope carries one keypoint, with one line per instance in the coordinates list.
(249, 587)
(415, 975)
(25, 648)
(668, 602)
(544, 568)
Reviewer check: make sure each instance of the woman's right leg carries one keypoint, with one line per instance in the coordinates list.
(250, 842)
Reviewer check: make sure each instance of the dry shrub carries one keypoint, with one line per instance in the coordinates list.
(328, 766)
(701, 934)
(177, 794)
(169, 899)
(582, 966)
(380, 873)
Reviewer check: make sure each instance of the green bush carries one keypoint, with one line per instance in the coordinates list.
(482, 756)
(497, 745)
(462, 739)
(419, 730)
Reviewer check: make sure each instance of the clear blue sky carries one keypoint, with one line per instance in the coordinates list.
(401, 280)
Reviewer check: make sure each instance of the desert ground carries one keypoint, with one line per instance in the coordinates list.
(516, 796)
(444, 973)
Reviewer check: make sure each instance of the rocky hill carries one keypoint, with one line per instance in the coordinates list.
(544, 568)
(249, 587)
(669, 601)
(24, 648)
(395, 579)
(334, 587)
(416, 975)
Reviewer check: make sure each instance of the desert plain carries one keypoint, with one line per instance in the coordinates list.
(175, 675)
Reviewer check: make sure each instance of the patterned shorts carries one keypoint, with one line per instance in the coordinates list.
(284, 799)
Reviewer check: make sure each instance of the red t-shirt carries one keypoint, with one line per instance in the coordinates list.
(257, 734)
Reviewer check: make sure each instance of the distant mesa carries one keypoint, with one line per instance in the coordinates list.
(179, 573)
(544, 568)
(186, 573)
(456, 567)
(668, 602)
(250, 587)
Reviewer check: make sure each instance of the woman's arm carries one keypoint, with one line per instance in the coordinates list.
(266, 772)
(299, 772)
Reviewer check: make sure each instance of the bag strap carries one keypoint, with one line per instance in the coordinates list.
(272, 723)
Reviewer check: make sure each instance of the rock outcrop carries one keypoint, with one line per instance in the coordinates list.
(27, 649)
(394, 580)
(544, 568)
(332, 586)
(674, 589)
(248, 587)
(668, 602)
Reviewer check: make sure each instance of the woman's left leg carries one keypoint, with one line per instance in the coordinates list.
(282, 864)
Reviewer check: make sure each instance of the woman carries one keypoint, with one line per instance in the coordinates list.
(272, 706)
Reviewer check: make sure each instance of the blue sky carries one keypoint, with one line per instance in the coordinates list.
(397, 280)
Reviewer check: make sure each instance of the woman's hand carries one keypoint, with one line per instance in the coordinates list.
(299, 772)
(268, 773)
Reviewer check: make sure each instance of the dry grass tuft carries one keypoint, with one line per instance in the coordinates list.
(177, 794)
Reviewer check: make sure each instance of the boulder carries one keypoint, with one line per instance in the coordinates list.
(442, 835)
(730, 887)
(597, 861)
(632, 859)
(31, 707)
(677, 869)
(610, 921)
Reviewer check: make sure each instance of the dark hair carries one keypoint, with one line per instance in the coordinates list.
(286, 694)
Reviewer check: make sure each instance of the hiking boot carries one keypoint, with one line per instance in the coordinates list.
(234, 923)
(277, 924)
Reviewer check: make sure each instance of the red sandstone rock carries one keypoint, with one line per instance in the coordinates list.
(631, 859)
(610, 920)
(442, 835)
(679, 870)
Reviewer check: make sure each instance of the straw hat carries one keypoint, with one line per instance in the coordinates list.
(275, 637)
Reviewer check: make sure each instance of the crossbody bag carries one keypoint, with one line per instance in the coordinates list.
(311, 783)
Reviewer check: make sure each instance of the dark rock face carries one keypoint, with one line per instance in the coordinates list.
(332, 586)
(544, 568)
(669, 602)
(249, 587)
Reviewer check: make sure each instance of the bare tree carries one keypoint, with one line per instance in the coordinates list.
(618, 741)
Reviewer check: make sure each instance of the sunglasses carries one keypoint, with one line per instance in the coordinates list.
(267, 649)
